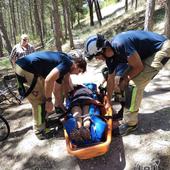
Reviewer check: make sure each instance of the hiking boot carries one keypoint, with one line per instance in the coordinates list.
(45, 134)
(123, 129)
(76, 137)
(85, 133)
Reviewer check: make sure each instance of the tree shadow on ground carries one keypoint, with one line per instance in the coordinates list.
(19, 133)
(150, 122)
(19, 114)
(114, 159)
(45, 162)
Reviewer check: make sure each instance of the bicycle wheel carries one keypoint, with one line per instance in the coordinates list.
(4, 128)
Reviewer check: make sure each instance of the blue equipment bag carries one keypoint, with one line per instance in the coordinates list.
(70, 124)
(97, 129)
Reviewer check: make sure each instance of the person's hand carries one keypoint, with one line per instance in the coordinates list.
(107, 105)
(49, 106)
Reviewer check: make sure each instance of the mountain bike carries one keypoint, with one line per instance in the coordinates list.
(4, 128)
(8, 91)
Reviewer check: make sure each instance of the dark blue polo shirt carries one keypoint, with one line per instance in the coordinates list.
(41, 63)
(125, 44)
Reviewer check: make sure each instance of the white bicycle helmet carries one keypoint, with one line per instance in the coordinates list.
(94, 45)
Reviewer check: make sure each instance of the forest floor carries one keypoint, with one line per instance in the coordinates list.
(146, 148)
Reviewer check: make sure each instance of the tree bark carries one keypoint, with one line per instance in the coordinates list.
(136, 4)
(12, 12)
(167, 19)
(150, 7)
(38, 23)
(65, 21)
(3, 32)
(18, 17)
(98, 12)
(57, 27)
(90, 4)
(66, 2)
(43, 26)
(126, 5)
(1, 47)
(31, 18)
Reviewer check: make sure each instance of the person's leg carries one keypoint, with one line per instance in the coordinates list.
(75, 135)
(152, 65)
(77, 112)
(58, 94)
(86, 120)
(138, 84)
(36, 98)
(85, 129)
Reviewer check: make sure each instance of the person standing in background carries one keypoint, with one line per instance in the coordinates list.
(21, 49)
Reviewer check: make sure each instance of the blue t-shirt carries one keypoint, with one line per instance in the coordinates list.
(41, 63)
(125, 44)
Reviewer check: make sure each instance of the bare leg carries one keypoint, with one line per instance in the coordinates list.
(77, 112)
(86, 120)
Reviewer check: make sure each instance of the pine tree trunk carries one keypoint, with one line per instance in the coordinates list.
(57, 27)
(98, 13)
(90, 4)
(18, 17)
(126, 5)
(150, 7)
(132, 2)
(43, 26)
(12, 12)
(9, 22)
(1, 47)
(65, 21)
(31, 18)
(167, 19)
(37, 22)
(69, 23)
(3, 32)
(136, 4)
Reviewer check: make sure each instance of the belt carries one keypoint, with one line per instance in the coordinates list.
(21, 80)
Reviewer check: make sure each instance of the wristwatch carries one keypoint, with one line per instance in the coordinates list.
(49, 99)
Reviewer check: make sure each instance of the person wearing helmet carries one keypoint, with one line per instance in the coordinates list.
(145, 53)
(37, 74)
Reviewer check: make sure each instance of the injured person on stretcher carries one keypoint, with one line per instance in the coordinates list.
(84, 123)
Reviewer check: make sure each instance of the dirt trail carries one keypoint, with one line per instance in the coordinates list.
(149, 146)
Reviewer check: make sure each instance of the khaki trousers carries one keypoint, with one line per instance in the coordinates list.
(36, 98)
(152, 65)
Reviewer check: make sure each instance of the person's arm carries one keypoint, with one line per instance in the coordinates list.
(136, 65)
(62, 89)
(110, 86)
(134, 61)
(68, 84)
(49, 85)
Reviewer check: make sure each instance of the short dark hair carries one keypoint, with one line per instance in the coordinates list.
(81, 63)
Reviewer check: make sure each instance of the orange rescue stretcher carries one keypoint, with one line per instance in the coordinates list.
(95, 149)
